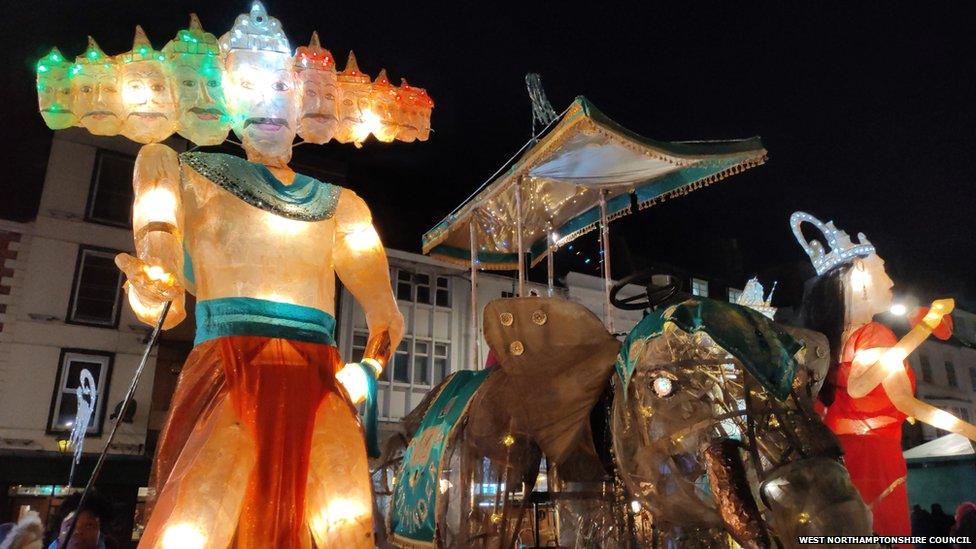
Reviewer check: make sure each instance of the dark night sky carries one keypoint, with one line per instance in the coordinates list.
(868, 112)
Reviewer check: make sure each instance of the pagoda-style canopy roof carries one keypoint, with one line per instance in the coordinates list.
(562, 176)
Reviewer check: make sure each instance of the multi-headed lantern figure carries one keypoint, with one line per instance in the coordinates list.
(95, 97)
(413, 113)
(316, 70)
(147, 93)
(383, 103)
(193, 63)
(354, 88)
(54, 90)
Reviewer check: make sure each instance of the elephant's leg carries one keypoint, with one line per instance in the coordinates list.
(339, 505)
(201, 501)
(736, 506)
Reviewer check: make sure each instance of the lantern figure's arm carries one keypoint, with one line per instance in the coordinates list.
(887, 367)
(360, 262)
(157, 225)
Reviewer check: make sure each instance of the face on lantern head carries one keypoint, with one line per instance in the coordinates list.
(413, 113)
(147, 93)
(194, 66)
(868, 285)
(54, 91)
(383, 102)
(354, 88)
(95, 97)
(315, 69)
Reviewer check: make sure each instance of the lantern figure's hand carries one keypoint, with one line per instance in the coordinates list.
(149, 287)
(353, 378)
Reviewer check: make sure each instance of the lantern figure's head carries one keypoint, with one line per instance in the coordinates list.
(354, 88)
(147, 93)
(95, 97)
(194, 67)
(54, 91)
(262, 92)
(316, 70)
(413, 113)
(383, 102)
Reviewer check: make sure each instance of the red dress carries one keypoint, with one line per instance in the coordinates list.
(869, 429)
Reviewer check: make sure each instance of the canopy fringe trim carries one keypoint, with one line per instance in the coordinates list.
(705, 182)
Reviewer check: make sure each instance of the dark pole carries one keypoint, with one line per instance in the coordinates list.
(118, 419)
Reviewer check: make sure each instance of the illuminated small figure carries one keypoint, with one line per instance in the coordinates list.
(54, 91)
(95, 97)
(383, 103)
(193, 61)
(316, 71)
(147, 93)
(354, 88)
(414, 111)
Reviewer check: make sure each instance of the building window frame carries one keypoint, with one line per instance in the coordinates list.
(699, 287)
(103, 384)
(69, 316)
(926, 366)
(951, 379)
(734, 294)
(100, 156)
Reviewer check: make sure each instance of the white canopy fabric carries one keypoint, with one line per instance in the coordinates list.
(946, 447)
(562, 176)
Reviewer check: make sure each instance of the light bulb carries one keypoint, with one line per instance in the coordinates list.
(898, 309)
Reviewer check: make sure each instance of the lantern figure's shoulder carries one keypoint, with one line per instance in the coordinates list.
(305, 199)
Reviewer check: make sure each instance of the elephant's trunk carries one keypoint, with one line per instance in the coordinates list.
(736, 506)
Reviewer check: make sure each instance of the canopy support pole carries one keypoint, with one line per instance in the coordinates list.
(475, 348)
(518, 229)
(550, 268)
(605, 250)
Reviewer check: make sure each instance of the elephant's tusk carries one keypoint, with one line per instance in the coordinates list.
(736, 506)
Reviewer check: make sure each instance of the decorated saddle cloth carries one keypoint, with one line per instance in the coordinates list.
(415, 496)
(765, 349)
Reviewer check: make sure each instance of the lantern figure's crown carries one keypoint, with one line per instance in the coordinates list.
(256, 31)
(53, 59)
(414, 94)
(382, 81)
(192, 41)
(314, 56)
(842, 249)
(93, 55)
(351, 74)
(141, 50)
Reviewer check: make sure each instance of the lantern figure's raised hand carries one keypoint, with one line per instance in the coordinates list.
(316, 71)
(147, 93)
(54, 91)
(193, 61)
(95, 97)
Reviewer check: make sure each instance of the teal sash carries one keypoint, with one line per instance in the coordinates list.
(246, 316)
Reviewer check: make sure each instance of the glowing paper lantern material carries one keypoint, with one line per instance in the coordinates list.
(383, 104)
(95, 97)
(413, 113)
(316, 71)
(54, 91)
(147, 93)
(354, 90)
(885, 366)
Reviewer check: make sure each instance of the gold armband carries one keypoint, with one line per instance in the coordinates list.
(378, 349)
(160, 227)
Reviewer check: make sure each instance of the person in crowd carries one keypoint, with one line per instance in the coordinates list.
(965, 524)
(921, 521)
(27, 533)
(92, 517)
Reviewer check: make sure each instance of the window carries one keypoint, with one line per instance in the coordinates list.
(734, 295)
(110, 197)
(951, 374)
(964, 414)
(506, 295)
(96, 293)
(421, 363)
(699, 287)
(401, 362)
(443, 298)
(972, 377)
(64, 403)
(404, 290)
(417, 287)
(442, 364)
(422, 283)
(923, 360)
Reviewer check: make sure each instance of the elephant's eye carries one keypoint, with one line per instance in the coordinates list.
(664, 386)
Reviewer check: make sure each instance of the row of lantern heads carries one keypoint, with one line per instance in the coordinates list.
(201, 88)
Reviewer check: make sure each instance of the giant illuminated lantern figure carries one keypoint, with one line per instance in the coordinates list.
(869, 390)
(193, 60)
(317, 73)
(147, 93)
(95, 97)
(54, 91)
(354, 113)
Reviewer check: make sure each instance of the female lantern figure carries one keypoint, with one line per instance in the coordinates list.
(261, 448)
(316, 71)
(851, 287)
(54, 91)
(95, 97)
(193, 61)
(354, 87)
(147, 93)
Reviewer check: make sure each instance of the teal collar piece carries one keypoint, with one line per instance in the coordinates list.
(306, 199)
(766, 351)
(246, 316)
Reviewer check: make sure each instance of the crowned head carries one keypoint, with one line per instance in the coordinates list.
(354, 88)
(193, 61)
(54, 90)
(414, 108)
(95, 97)
(316, 71)
(262, 93)
(147, 93)
(383, 103)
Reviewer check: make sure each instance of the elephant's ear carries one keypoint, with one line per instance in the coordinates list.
(538, 335)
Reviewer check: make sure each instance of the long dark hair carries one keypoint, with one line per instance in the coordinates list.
(824, 310)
